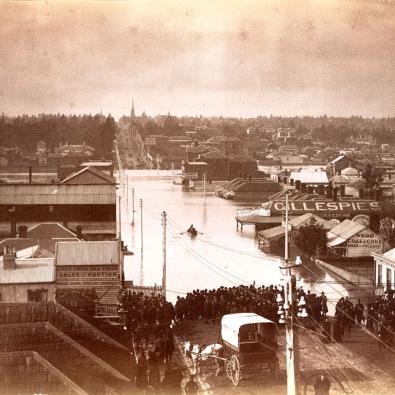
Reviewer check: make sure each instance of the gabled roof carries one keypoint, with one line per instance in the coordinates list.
(390, 255)
(288, 147)
(197, 163)
(214, 155)
(106, 178)
(30, 271)
(197, 150)
(357, 184)
(19, 244)
(342, 232)
(243, 158)
(340, 179)
(272, 233)
(306, 177)
(297, 222)
(70, 253)
(97, 163)
(32, 194)
(349, 171)
(223, 139)
(338, 158)
(50, 231)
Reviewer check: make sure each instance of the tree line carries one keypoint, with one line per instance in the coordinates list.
(25, 131)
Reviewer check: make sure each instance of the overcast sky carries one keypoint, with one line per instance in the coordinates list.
(240, 58)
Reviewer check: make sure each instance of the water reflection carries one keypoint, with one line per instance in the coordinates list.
(221, 256)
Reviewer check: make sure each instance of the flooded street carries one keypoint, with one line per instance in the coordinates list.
(220, 256)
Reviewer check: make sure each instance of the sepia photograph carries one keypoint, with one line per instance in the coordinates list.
(197, 197)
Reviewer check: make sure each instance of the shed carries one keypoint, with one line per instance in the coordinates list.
(350, 238)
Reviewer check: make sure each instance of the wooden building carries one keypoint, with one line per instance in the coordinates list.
(86, 268)
(86, 198)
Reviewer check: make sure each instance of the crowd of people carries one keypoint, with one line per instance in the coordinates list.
(213, 304)
(380, 319)
(150, 319)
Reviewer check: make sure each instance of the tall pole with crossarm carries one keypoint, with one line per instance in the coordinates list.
(164, 224)
(291, 335)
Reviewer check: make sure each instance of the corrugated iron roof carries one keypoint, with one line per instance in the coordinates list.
(243, 159)
(342, 232)
(19, 244)
(390, 254)
(306, 177)
(349, 171)
(214, 155)
(105, 177)
(337, 159)
(53, 194)
(40, 270)
(301, 220)
(271, 233)
(87, 253)
(49, 231)
(340, 179)
(357, 183)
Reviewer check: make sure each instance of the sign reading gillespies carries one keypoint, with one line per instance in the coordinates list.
(327, 209)
(363, 243)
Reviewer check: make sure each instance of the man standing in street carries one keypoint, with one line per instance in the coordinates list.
(322, 385)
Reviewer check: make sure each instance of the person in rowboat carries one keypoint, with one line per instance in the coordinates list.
(192, 231)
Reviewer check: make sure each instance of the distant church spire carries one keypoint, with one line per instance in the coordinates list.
(132, 114)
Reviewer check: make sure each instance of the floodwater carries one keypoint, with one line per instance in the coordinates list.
(219, 256)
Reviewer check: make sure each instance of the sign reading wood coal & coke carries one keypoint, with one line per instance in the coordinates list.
(363, 243)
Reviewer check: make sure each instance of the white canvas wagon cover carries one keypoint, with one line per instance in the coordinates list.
(231, 324)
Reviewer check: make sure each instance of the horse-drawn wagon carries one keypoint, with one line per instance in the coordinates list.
(250, 344)
(247, 345)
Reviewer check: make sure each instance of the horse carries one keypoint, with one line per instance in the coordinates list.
(201, 353)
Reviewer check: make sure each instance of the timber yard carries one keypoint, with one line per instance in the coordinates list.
(197, 197)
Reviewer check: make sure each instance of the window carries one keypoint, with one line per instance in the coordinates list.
(389, 278)
(37, 295)
(379, 274)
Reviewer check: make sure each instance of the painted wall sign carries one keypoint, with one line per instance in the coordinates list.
(363, 243)
(328, 209)
(89, 275)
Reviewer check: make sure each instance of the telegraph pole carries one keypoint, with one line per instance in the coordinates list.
(164, 223)
(204, 186)
(119, 217)
(291, 335)
(127, 192)
(141, 227)
(142, 244)
(132, 206)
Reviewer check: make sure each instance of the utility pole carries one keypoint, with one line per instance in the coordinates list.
(204, 186)
(141, 227)
(291, 335)
(127, 192)
(119, 217)
(142, 244)
(164, 224)
(132, 206)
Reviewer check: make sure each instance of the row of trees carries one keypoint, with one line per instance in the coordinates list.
(55, 129)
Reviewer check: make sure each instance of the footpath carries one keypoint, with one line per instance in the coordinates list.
(357, 365)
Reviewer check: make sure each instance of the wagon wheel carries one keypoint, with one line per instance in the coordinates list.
(233, 370)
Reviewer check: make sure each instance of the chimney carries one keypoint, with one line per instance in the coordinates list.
(9, 258)
(79, 232)
(30, 174)
(22, 230)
